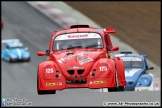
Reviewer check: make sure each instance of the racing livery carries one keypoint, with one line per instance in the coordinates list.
(80, 57)
(137, 73)
(15, 51)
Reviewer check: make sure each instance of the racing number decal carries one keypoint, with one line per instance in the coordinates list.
(103, 68)
(49, 70)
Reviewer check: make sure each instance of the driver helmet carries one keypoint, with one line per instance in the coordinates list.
(78, 42)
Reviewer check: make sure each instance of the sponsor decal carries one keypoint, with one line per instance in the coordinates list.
(66, 58)
(77, 36)
(52, 84)
(75, 67)
(84, 59)
(60, 84)
(99, 82)
(80, 57)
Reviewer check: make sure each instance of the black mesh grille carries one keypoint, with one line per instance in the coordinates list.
(71, 72)
(80, 71)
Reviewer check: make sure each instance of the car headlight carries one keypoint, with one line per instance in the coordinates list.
(145, 81)
(13, 56)
(26, 55)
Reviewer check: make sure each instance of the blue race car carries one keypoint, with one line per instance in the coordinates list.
(15, 51)
(137, 73)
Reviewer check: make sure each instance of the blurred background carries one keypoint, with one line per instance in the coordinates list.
(136, 23)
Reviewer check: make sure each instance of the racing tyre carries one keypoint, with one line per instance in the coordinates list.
(28, 60)
(43, 92)
(114, 89)
(10, 60)
(120, 88)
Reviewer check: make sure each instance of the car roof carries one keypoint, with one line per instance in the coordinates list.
(78, 30)
(14, 44)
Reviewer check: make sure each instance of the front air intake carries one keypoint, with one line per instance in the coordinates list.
(79, 26)
(71, 72)
(80, 71)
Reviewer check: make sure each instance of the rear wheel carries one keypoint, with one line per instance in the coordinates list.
(10, 60)
(118, 88)
(43, 92)
(112, 89)
(115, 89)
(28, 60)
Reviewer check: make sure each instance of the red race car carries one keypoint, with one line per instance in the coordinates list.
(80, 57)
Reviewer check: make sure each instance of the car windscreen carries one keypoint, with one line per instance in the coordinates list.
(77, 40)
(132, 62)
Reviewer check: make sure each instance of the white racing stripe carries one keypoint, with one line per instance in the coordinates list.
(19, 53)
(131, 72)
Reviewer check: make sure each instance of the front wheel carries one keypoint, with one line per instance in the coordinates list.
(43, 92)
(115, 89)
(121, 88)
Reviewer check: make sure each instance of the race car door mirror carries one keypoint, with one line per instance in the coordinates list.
(108, 48)
(26, 48)
(150, 68)
(47, 52)
(115, 48)
(41, 53)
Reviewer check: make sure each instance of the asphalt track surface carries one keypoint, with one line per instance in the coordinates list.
(19, 79)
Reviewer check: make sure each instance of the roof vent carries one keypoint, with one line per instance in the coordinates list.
(79, 26)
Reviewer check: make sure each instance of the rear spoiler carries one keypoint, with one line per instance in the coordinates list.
(126, 52)
(109, 30)
(10, 40)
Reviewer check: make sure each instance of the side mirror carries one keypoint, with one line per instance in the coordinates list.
(26, 48)
(108, 48)
(47, 52)
(115, 48)
(150, 68)
(41, 53)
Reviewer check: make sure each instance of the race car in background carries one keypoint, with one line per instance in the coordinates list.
(137, 73)
(80, 57)
(15, 51)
